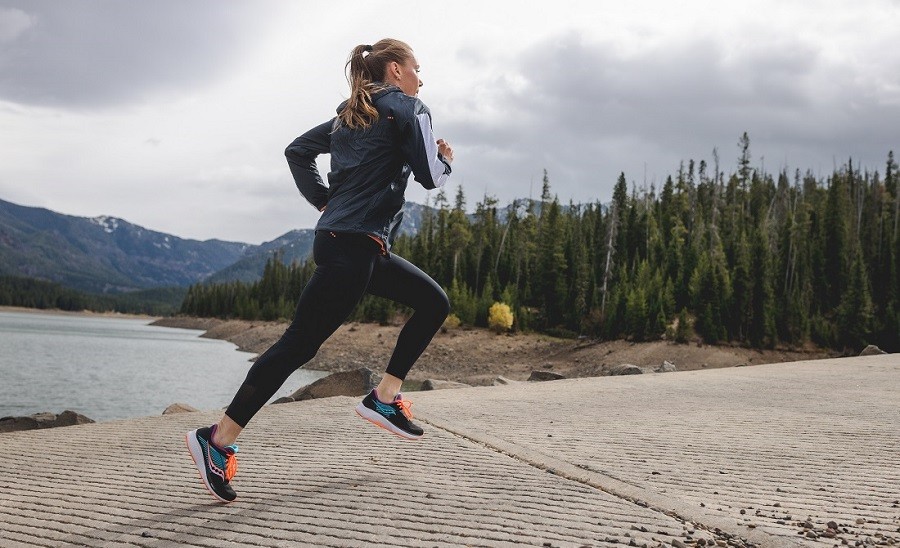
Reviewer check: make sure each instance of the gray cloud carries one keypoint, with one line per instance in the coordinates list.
(99, 53)
(586, 112)
(13, 22)
(174, 113)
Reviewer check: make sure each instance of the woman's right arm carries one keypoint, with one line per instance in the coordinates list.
(301, 158)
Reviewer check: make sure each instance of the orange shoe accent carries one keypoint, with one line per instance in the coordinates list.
(230, 466)
(404, 407)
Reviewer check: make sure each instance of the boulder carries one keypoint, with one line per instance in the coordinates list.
(433, 384)
(545, 376)
(179, 408)
(42, 420)
(70, 418)
(14, 424)
(666, 367)
(358, 382)
(284, 399)
(872, 350)
(625, 369)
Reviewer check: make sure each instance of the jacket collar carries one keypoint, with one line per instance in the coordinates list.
(386, 89)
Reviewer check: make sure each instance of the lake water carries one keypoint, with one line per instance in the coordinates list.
(113, 368)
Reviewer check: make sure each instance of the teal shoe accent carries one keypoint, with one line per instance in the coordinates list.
(384, 409)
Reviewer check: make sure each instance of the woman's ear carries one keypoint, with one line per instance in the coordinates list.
(395, 70)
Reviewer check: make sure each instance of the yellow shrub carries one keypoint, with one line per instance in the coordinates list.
(451, 322)
(500, 317)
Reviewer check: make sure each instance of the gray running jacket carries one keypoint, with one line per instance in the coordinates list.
(369, 167)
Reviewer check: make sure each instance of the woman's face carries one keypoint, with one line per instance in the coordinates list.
(408, 76)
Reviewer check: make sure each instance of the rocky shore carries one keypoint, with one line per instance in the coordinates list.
(42, 420)
(478, 356)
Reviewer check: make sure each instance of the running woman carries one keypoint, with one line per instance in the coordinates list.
(380, 135)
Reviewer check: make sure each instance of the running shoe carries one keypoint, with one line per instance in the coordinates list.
(393, 417)
(216, 465)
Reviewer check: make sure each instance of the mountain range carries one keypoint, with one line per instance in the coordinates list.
(110, 255)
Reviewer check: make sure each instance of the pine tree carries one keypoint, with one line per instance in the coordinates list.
(620, 212)
(855, 313)
(552, 267)
(485, 235)
(459, 233)
(742, 283)
(836, 234)
(762, 320)
(893, 188)
(706, 296)
(683, 331)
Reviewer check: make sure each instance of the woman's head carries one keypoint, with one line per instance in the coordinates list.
(370, 68)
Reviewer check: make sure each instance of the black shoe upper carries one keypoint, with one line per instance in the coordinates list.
(218, 484)
(394, 413)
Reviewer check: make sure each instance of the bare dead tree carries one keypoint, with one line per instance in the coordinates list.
(610, 249)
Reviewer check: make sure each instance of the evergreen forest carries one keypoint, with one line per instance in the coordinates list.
(750, 258)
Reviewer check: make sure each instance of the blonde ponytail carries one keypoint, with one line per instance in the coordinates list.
(365, 74)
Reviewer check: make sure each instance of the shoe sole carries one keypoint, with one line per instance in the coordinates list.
(190, 439)
(378, 420)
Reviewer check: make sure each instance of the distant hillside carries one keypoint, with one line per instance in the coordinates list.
(296, 245)
(104, 254)
(110, 255)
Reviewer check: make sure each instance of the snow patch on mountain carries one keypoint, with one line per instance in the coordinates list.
(109, 224)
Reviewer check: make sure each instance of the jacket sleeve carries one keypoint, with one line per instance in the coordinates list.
(301, 158)
(420, 149)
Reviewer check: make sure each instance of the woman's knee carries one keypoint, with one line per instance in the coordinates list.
(441, 305)
(296, 347)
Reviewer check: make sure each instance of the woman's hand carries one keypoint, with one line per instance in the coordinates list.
(445, 150)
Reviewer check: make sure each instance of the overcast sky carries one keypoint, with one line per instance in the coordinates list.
(174, 115)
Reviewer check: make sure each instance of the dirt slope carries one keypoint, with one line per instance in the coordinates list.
(478, 356)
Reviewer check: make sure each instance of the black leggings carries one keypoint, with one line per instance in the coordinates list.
(347, 267)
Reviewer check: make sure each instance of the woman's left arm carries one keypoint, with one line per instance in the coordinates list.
(301, 157)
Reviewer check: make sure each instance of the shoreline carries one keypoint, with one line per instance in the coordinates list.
(84, 313)
(477, 356)
(473, 356)
(187, 322)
